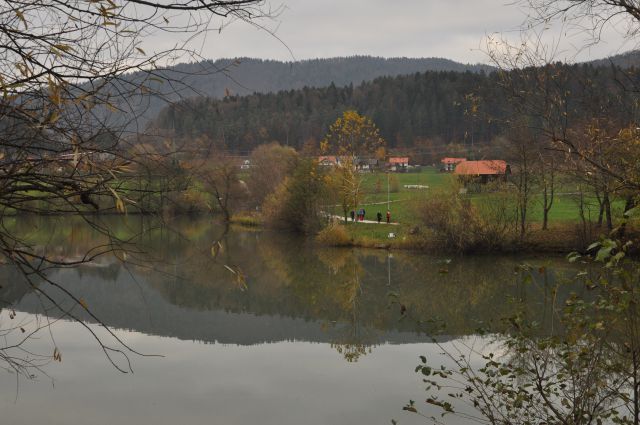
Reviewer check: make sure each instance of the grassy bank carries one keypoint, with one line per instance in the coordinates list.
(561, 237)
(374, 187)
(567, 231)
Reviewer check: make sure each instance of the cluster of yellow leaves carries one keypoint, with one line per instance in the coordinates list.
(353, 134)
(629, 147)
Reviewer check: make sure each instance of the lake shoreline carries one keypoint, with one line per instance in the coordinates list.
(559, 239)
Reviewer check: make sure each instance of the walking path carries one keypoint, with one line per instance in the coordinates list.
(377, 203)
(365, 221)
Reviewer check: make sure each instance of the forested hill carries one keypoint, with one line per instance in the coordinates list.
(624, 60)
(242, 76)
(407, 109)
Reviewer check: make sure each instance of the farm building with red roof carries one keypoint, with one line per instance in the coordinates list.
(449, 164)
(328, 160)
(398, 163)
(484, 170)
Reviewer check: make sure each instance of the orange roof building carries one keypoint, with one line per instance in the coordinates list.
(450, 163)
(399, 160)
(328, 160)
(482, 171)
(452, 160)
(491, 167)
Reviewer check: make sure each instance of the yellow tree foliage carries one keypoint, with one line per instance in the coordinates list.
(346, 183)
(352, 134)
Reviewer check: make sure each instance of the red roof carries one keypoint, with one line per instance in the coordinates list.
(328, 158)
(452, 160)
(481, 168)
(399, 160)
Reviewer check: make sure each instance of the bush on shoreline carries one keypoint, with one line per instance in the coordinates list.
(334, 234)
(458, 224)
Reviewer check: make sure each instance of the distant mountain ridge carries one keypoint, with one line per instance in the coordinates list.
(420, 108)
(625, 60)
(249, 75)
(244, 76)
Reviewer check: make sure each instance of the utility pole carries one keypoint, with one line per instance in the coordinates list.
(388, 196)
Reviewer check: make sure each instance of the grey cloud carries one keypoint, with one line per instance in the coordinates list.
(415, 28)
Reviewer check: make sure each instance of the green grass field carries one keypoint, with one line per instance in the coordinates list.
(402, 205)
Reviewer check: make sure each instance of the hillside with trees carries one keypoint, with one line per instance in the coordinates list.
(417, 111)
(244, 76)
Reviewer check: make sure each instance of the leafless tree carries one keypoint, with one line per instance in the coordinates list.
(554, 91)
(68, 72)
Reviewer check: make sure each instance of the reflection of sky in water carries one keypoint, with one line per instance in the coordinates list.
(264, 354)
(196, 383)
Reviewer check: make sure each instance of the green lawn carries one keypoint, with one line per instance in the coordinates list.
(402, 206)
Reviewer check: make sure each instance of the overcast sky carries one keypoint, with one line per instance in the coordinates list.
(453, 29)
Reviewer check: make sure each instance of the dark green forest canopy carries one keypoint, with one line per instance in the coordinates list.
(244, 76)
(407, 109)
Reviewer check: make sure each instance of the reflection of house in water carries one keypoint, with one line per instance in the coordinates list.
(482, 171)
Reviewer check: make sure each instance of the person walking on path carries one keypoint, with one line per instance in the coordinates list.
(388, 216)
(353, 215)
(364, 213)
(379, 217)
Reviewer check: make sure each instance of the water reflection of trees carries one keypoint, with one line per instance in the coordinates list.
(584, 370)
(289, 277)
(347, 290)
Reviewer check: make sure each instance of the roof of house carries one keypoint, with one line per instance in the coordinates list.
(399, 160)
(452, 160)
(481, 168)
(328, 158)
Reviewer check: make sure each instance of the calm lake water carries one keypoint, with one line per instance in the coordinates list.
(308, 336)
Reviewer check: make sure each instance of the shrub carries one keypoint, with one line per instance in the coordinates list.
(296, 203)
(245, 219)
(394, 184)
(270, 165)
(458, 224)
(334, 235)
(497, 219)
(452, 219)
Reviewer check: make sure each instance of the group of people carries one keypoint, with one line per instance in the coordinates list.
(360, 215)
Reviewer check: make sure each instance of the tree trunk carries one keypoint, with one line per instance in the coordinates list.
(549, 191)
(601, 208)
(607, 210)
(629, 204)
(546, 207)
